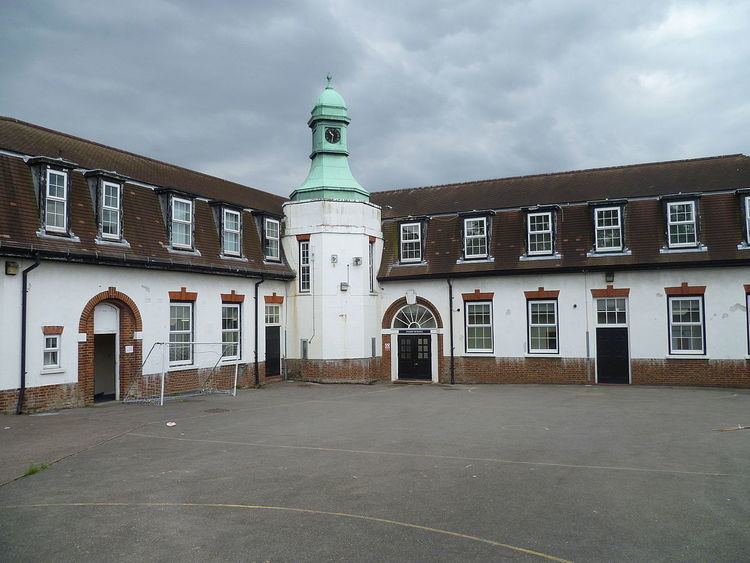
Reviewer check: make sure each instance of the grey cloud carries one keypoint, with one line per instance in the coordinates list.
(438, 91)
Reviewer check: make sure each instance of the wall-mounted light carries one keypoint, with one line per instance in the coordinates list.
(11, 268)
(609, 277)
(357, 260)
(334, 258)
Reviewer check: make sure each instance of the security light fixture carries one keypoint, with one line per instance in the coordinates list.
(609, 277)
(11, 268)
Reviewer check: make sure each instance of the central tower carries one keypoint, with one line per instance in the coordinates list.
(332, 237)
(329, 176)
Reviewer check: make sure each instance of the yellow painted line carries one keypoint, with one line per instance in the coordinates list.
(437, 456)
(298, 510)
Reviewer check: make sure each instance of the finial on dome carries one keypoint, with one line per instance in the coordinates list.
(329, 78)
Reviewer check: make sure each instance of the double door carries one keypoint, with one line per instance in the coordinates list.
(414, 356)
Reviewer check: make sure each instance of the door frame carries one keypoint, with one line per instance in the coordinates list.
(626, 325)
(116, 332)
(434, 351)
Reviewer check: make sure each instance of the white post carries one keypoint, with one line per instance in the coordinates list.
(236, 367)
(164, 351)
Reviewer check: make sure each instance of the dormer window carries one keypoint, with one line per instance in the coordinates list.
(475, 237)
(608, 229)
(682, 227)
(411, 242)
(271, 235)
(231, 225)
(56, 202)
(746, 205)
(181, 228)
(539, 233)
(110, 211)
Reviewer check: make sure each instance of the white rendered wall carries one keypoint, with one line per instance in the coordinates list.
(337, 324)
(725, 310)
(58, 293)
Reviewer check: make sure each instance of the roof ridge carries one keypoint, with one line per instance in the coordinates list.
(562, 173)
(123, 151)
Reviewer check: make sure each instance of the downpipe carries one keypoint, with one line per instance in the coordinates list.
(24, 301)
(257, 374)
(450, 324)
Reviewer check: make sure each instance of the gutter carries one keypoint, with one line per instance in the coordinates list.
(450, 322)
(255, 361)
(24, 299)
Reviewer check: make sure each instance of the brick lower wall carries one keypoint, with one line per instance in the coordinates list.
(701, 372)
(357, 370)
(515, 370)
(42, 398)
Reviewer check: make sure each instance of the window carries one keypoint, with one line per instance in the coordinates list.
(230, 330)
(110, 211)
(608, 227)
(273, 314)
(681, 224)
(303, 346)
(304, 266)
(180, 333)
(182, 223)
(747, 220)
(686, 335)
(411, 242)
(56, 202)
(540, 233)
(543, 327)
(371, 258)
(271, 235)
(611, 311)
(230, 232)
(51, 351)
(475, 237)
(479, 327)
(414, 316)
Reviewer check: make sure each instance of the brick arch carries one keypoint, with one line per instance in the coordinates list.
(130, 323)
(396, 305)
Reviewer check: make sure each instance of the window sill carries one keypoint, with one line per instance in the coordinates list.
(532, 257)
(687, 357)
(480, 354)
(58, 236)
(232, 257)
(607, 253)
(478, 260)
(415, 263)
(177, 367)
(121, 243)
(183, 251)
(52, 371)
(683, 249)
(542, 355)
(743, 246)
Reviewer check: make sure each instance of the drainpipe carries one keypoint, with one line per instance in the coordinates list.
(450, 323)
(24, 299)
(257, 374)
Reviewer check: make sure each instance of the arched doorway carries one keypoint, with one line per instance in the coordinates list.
(109, 347)
(413, 333)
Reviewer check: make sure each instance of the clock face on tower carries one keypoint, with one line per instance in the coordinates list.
(332, 135)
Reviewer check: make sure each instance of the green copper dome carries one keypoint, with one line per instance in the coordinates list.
(329, 176)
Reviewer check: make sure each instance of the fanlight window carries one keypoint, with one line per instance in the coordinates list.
(414, 316)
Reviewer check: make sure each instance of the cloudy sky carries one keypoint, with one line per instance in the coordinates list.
(438, 92)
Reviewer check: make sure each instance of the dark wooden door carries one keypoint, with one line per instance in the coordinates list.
(612, 358)
(273, 350)
(414, 356)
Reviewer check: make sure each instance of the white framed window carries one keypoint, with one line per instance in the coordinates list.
(475, 237)
(51, 358)
(686, 327)
(371, 258)
(110, 212)
(180, 333)
(681, 224)
(56, 202)
(478, 326)
(271, 232)
(304, 266)
(747, 219)
(608, 227)
(182, 223)
(611, 311)
(231, 331)
(411, 242)
(230, 232)
(273, 314)
(543, 333)
(539, 233)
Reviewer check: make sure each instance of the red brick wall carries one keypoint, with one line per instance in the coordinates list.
(515, 370)
(673, 371)
(41, 398)
(357, 370)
